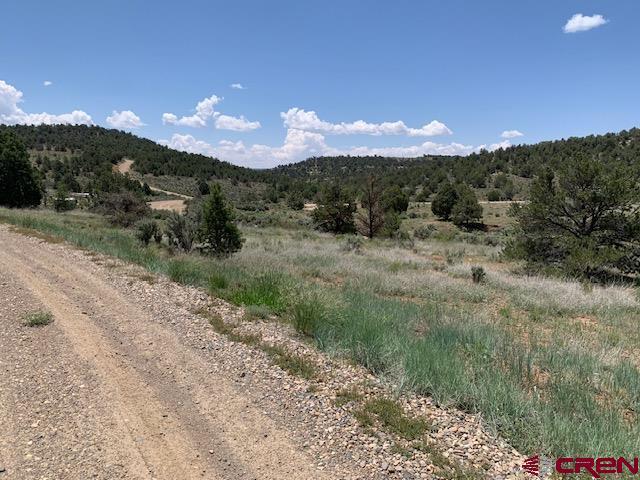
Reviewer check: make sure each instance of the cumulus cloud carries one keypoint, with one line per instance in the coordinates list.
(301, 144)
(125, 119)
(512, 134)
(11, 113)
(204, 111)
(496, 146)
(47, 83)
(582, 23)
(238, 86)
(299, 119)
(237, 124)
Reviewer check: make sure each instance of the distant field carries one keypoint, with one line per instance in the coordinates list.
(551, 364)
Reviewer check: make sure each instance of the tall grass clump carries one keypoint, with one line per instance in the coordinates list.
(268, 290)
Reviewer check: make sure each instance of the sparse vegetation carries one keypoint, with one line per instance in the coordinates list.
(38, 319)
(391, 417)
(534, 355)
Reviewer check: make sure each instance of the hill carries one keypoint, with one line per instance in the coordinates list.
(90, 148)
(81, 150)
(477, 169)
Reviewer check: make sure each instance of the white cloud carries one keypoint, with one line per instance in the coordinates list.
(582, 23)
(47, 83)
(237, 86)
(496, 146)
(299, 119)
(125, 119)
(11, 113)
(237, 124)
(299, 145)
(204, 111)
(512, 134)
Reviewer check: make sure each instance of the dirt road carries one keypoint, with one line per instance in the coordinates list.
(109, 391)
(174, 205)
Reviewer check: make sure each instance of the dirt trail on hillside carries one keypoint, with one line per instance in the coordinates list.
(174, 205)
(107, 392)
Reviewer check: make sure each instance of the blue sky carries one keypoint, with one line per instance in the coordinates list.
(400, 78)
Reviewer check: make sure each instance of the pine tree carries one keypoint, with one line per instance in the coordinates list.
(335, 213)
(219, 235)
(466, 210)
(371, 220)
(19, 182)
(444, 201)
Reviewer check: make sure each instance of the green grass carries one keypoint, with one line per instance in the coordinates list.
(38, 319)
(392, 418)
(294, 364)
(509, 348)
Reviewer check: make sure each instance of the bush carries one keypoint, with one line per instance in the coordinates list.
(394, 199)
(335, 212)
(203, 187)
(424, 232)
(478, 274)
(391, 224)
(181, 231)
(444, 201)
(493, 195)
(466, 210)
(295, 201)
(60, 201)
(352, 243)
(38, 319)
(123, 208)
(146, 230)
(219, 235)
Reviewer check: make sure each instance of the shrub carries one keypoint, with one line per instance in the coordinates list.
(352, 243)
(454, 256)
(424, 232)
(493, 195)
(444, 201)
(391, 224)
(146, 230)
(123, 208)
(394, 199)
(295, 201)
(219, 235)
(38, 319)
(478, 274)
(335, 212)
(203, 187)
(181, 231)
(60, 201)
(467, 210)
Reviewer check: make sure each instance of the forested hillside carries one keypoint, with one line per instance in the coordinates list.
(92, 147)
(475, 169)
(80, 150)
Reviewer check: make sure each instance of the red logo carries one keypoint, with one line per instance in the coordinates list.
(596, 467)
(532, 465)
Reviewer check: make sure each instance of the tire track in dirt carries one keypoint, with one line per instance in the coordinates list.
(178, 419)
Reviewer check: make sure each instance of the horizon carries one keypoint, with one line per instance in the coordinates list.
(233, 86)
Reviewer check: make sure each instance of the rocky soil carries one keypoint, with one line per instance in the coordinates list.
(132, 381)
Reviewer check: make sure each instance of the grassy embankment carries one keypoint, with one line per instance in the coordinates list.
(551, 364)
